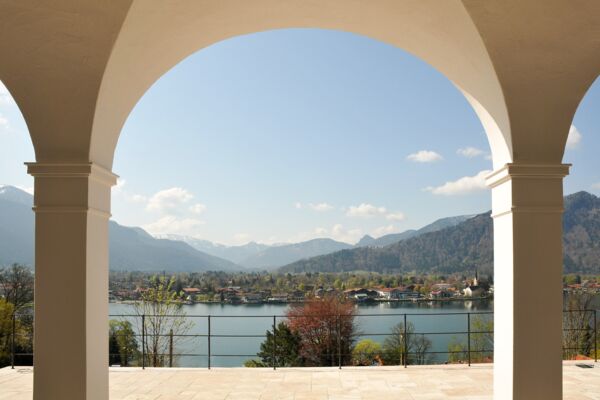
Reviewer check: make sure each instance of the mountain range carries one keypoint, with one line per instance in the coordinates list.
(396, 237)
(260, 256)
(467, 245)
(235, 254)
(449, 244)
(134, 249)
(130, 248)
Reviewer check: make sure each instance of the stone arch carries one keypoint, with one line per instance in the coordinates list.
(155, 37)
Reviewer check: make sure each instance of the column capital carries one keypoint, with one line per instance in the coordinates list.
(528, 171)
(72, 170)
(72, 188)
(527, 188)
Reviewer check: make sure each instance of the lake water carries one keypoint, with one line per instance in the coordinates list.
(441, 319)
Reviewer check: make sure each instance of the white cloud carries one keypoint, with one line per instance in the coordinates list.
(320, 206)
(339, 233)
(5, 97)
(169, 200)
(365, 210)
(464, 185)
(198, 208)
(336, 232)
(120, 190)
(321, 231)
(120, 184)
(574, 138)
(424, 156)
(174, 205)
(4, 125)
(383, 230)
(172, 224)
(596, 185)
(397, 216)
(241, 238)
(470, 152)
(314, 206)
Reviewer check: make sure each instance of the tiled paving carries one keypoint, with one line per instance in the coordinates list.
(373, 383)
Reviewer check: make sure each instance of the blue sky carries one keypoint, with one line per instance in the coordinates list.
(288, 135)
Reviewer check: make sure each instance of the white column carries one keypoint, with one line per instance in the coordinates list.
(72, 205)
(527, 204)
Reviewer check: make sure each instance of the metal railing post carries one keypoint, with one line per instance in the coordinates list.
(143, 341)
(12, 341)
(469, 337)
(595, 336)
(339, 341)
(171, 348)
(405, 343)
(274, 343)
(209, 342)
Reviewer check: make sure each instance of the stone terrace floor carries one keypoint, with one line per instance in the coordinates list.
(351, 383)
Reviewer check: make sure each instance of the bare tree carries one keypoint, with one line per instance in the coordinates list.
(578, 325)
(406, 346)
(163, 314)
(16, 284)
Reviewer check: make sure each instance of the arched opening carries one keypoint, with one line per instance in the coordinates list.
(289, 127)
(581, 269)
(16, 235)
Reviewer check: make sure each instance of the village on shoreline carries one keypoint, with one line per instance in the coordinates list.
(240, 295)
(266, 288)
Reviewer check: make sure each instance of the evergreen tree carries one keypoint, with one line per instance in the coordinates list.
(286, 346)
(123, 346)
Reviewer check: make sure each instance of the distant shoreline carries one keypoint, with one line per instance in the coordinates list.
(371, 302)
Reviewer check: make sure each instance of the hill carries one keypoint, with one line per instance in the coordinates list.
(396, 237)
(466, 246)
(235, 254)
(581, 233)
(130, 248)
(261, 256)
(277, 256)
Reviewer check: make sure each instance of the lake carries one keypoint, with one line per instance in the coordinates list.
(372, 321)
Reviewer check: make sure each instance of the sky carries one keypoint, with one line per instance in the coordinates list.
(288, 135)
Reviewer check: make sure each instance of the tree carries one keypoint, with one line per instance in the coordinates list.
(482, 342)
(366, 352)
(22, 333)
(254, 364)
(578, 325)
(405, 346)
(326, 330)
(482, 338)
(457, 351)
(123, 346)
(162, 311)
(16, 283)
(286, 347)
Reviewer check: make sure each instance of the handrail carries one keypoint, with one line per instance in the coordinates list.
(339, 353)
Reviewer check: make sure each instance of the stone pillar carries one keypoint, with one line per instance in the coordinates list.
(72, 205)
(527, 206)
